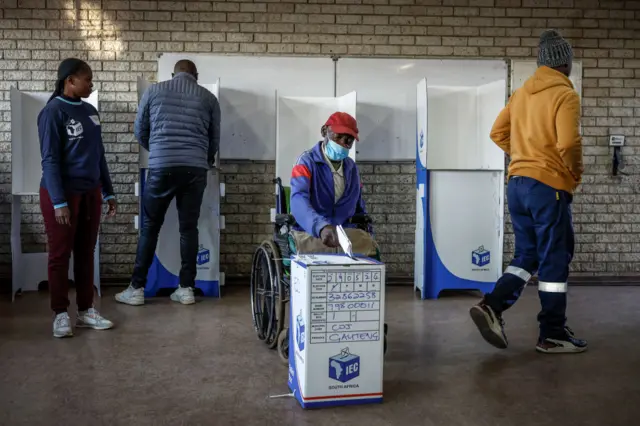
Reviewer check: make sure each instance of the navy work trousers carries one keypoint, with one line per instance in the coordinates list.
(542, 224)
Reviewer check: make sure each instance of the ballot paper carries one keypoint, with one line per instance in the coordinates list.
(344, 241)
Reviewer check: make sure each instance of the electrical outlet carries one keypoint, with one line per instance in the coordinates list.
(616, 140)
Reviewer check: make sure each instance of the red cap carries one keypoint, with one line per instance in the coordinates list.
(343, 123)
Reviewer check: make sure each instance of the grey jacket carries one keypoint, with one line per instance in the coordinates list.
(178, 122)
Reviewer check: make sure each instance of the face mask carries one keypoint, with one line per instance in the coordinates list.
(335, 152)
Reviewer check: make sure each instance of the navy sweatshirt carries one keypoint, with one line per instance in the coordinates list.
(72, 152)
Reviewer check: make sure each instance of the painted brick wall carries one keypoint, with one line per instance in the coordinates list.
(122, 39)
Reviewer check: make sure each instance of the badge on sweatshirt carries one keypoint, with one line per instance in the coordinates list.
(95, 119)
(74, 129)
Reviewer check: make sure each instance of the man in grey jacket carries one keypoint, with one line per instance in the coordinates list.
(178, 122)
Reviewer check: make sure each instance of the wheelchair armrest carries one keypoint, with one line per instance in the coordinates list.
(285, 219)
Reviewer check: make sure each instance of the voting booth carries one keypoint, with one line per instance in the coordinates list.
(30, 269)
(298, 124)
(460, 188)
(337, 330)
(165, 269)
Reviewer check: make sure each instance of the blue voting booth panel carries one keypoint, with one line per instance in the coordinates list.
(459, 189)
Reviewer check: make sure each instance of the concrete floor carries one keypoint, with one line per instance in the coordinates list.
(167, 364)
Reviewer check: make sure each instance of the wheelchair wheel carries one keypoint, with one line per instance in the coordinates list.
(266, 309)
(260, 287)
(279, 320)
(283, 346)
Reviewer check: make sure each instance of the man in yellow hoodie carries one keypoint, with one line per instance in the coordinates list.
(539, 130)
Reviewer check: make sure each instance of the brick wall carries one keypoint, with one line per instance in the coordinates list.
(122, 38)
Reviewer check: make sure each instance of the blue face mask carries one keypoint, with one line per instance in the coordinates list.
(335, 152)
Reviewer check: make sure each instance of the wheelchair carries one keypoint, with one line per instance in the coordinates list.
(270, 276)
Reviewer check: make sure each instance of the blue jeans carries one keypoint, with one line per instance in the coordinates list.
(186, 185)
(542, 224)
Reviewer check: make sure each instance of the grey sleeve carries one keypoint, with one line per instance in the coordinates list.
(142, 125)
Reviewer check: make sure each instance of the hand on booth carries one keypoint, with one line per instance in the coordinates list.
(113, 207)
(329, 236)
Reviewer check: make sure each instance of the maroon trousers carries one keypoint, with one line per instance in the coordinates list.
(80, 238)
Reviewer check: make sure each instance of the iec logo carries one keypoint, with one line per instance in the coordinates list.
(203, 256)
(345, 366)
(300, 336)
(421, 140)
(481, 257)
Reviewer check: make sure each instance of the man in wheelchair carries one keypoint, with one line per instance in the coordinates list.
(326, 191)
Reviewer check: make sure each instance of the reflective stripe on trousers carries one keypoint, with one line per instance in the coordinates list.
(518, 272)
(550, 287)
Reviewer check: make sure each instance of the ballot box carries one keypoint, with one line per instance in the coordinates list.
(337, 330)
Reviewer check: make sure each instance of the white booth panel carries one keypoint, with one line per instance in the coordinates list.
(29, 269)
(467, 211)
(387, 96)
(492, 98)
(143, 85)
(522, 69)
(165, 269)
(459, 124)
(299, 121)
(422, 101)
(248, 100)
(215, 89)
(26, 168)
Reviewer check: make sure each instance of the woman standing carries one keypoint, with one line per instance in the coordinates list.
(75, 180)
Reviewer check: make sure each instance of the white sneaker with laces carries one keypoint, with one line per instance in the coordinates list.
(62, 325)
(184, 295)
(91, 318)
(131, 296)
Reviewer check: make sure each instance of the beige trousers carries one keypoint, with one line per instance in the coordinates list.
(361, 243)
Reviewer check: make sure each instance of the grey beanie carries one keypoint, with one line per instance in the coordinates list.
(554, 51)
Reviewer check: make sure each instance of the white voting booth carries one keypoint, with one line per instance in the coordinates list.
(336, 337)
(460, 187)
(165, 269)
(30, 269)
(298, 124)
(460, 181)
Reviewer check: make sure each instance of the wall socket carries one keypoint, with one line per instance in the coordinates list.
(616, 140)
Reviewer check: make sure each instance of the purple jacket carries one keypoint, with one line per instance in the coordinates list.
(313, 196)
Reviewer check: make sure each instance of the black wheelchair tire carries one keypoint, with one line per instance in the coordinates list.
(277, 288)
(261, 312)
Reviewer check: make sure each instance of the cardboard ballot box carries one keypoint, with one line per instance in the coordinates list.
(337, 330)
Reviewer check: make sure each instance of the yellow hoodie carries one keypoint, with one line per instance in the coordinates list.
(540, 130)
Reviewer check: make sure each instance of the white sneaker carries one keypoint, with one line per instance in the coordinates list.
(184, 295)
(131, 296)
(92, 319)
(62, 326)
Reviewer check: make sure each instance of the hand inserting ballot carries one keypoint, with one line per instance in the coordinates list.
(329, 236)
